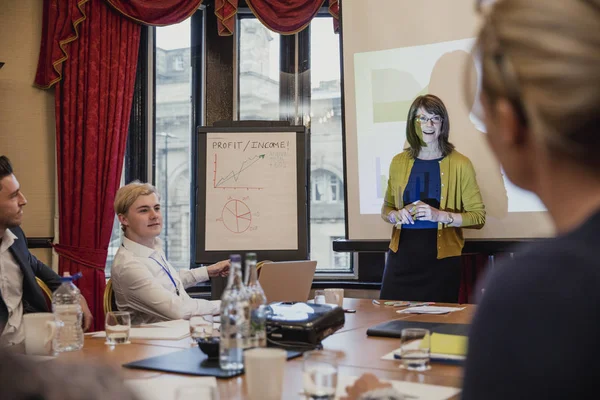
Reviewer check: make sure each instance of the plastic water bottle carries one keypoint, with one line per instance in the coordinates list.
(235, 319)
(258, 303)
(68, 315)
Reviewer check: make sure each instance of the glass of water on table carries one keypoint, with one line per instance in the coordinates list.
(117, 326)
(202, 328)
(415, 349)
(320, 373)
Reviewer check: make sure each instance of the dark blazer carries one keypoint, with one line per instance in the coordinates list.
(33, 297)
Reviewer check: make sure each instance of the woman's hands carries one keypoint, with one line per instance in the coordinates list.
(424, 212)
(218, 269)
(416, 211)
(402, 216)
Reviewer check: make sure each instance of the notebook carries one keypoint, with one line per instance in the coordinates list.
(394, 328)
(287, 280)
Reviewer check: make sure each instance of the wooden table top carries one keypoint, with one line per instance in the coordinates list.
(358, 353)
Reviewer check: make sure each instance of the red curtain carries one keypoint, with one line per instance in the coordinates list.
(59, 28)
(157, 12)
(225, 10)
(473, 268)
(334, 10)
(93, 103)
(285, 17)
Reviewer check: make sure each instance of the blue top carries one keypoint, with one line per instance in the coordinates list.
(423, 184)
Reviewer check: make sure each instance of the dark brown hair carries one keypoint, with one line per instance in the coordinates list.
(434, 105)
(5, 168)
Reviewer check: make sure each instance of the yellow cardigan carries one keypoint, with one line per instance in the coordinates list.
(459, 194)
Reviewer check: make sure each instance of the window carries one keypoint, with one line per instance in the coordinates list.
(327, 216)
(172, 145)
(276, 83)
(340, 261)
(326, 187)
(178, 62)
(258, 71)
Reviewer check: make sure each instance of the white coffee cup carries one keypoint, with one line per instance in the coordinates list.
(40, 329)
(264, 369)
(335, 296)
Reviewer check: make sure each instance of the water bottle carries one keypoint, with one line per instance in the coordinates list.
(235, 319)
(258, 304)
(68, 315)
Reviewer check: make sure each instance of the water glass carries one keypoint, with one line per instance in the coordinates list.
(117, 326)
(201, 327)
(197, 392)
(414, 349)
(320, 373)
(320, 296)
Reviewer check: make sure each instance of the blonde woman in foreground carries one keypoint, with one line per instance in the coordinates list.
(535, 332)
(144, 282)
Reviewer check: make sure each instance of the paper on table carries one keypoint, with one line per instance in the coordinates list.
(449, 344)
(417, 391)
(176, 323)
(443, 347)
(429, 310)
(154, 333)
(433, 356)
(165, 388)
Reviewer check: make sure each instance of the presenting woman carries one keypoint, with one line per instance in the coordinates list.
(431, 195)
(144, 282)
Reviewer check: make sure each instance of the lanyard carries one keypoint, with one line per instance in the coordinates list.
(167, 271)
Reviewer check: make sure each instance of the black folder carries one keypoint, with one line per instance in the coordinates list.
(394, 328)
(191, 361)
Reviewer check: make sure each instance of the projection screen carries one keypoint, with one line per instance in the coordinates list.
(393, 51)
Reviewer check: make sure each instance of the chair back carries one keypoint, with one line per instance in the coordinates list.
(109, 302)
(47, 292)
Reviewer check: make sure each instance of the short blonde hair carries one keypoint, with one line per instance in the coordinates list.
(128, 194)
(551, 51)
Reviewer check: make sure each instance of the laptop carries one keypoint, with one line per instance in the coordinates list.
(287, 280)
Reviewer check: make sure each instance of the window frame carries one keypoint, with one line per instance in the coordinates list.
(295, 96)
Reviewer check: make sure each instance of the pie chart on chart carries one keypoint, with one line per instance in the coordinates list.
(236, 216)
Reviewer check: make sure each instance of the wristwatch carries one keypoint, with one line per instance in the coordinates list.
(451, 219)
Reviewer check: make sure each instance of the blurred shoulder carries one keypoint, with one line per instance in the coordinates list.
(561, 268)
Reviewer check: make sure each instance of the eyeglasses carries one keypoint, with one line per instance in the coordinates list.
(505, 68)
(436, 119)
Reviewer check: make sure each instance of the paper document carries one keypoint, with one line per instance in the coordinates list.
(448, 344)
(443, 347)
(153, 333)
(165, 387)
(410, 390)
(391, 356)
(176, 323)
(429, 310)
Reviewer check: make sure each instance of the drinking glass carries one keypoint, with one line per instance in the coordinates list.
(117, 326)
(201, 327)
(414, 349)
(320, 296)
(320, 372)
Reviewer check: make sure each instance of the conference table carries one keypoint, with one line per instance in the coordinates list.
(357, 353)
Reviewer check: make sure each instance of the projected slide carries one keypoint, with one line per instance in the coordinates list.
(386, 83)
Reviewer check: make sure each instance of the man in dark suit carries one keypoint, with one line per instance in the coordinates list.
(19, 292)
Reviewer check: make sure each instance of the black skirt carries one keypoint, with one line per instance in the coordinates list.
(414, 273)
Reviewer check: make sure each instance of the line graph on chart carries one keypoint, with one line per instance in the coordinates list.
(231, 178)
